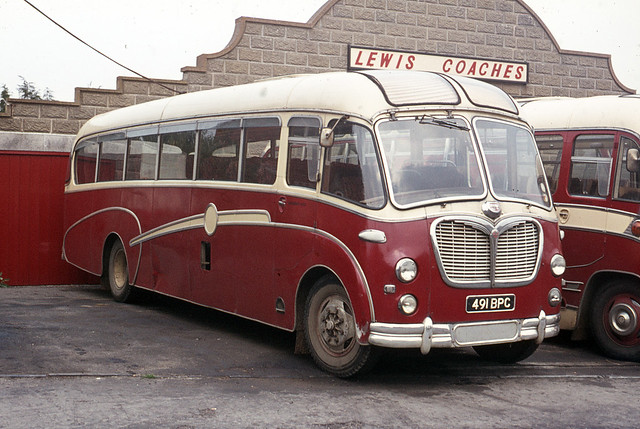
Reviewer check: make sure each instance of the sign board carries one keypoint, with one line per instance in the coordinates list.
(382, 59)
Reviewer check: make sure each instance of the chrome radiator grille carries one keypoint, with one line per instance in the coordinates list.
(517, 252)
(472, 252)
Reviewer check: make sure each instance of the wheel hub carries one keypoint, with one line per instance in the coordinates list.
(623, 319)
(119, 270)
(334, 325)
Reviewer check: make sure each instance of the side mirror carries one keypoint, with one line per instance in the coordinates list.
(633, 160)
(326, 137)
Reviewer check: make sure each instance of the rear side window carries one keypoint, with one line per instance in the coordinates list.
(86, 160)
(550, 148)
(112, 153)
(177, 154)
(591, 161)
(142, 154)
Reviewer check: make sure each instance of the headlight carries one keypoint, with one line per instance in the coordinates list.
(406, 270)
(554, 297)
(408, 304)
(558, 265)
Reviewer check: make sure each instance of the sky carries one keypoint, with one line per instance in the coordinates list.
(157, 38)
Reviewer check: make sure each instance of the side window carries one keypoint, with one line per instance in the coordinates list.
(111, 161)
(550, 147)
(218, 149)
(351, 169)
(627, 178)
(86, 159)
(142, 152)
(177, 152)
(591, 165)
(260, 150)
(303, 153)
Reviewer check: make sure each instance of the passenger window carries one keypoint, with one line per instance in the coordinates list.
(304, 151)
(550, 147)
(261, 142)
(591, 165)
(177, 154)
(112, 152)
(218, 150)
(142, 153)
(351, 169)
(627, 180)
(86, 160)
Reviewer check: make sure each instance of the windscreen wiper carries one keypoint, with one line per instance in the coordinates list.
(442, 122)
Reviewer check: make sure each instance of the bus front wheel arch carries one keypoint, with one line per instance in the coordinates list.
(614, 319)
(330, 331)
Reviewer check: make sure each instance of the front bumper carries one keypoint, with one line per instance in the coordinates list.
(426, 335)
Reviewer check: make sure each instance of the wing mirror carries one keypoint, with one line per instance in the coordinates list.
(326, 137)
(327, 133)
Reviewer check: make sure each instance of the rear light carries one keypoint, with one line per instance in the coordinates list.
(635, 228)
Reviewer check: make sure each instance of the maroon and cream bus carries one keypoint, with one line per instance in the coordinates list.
(591, 150)
(361, 210)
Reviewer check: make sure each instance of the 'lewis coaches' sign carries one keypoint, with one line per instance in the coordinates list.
(370, 58)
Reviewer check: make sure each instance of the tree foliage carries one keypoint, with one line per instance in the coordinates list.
(3, 98)
(26, 90)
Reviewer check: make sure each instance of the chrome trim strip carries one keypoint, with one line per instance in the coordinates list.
(228, 217)
(427, 335)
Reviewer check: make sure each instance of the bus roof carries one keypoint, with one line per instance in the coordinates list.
(600, 112)
(363, 93)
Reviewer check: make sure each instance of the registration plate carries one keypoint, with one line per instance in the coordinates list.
(487, 303)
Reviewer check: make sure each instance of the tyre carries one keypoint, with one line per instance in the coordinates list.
(118, 274)
(615, 320)
(330, 331)
(507, 353)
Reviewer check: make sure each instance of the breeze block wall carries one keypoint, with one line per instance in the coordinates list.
(485, 29)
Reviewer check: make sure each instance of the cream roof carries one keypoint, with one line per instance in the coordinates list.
(607, 111)
(363, 94)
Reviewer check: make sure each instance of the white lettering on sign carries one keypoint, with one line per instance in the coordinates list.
(368, 58)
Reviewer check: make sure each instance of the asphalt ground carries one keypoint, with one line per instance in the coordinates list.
(70, 356)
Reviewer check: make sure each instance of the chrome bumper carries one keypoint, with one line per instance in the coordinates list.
(426, 335)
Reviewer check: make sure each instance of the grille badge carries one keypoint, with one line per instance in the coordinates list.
(491, 209)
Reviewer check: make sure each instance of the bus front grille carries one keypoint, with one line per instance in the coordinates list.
(473, 252)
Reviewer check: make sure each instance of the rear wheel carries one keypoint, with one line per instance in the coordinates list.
(615, 320)
(118, 274)
(330, 331)
(507, 353)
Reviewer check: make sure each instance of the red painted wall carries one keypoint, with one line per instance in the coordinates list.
(31, 228)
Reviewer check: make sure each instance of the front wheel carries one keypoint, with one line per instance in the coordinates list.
(615, 320)
(118, 274)
(330, 331)
(507, 353)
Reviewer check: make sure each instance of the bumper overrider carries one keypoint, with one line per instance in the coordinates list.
(427, 335)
